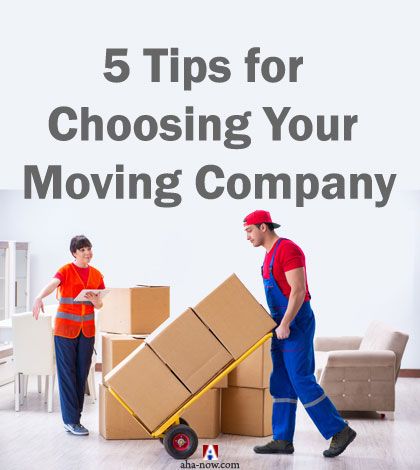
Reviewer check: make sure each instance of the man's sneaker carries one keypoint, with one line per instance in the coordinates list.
(340, 441)
(76, 429)
(275, 447)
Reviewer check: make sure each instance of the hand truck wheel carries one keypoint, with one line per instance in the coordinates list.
(181, 421)
(180, 441)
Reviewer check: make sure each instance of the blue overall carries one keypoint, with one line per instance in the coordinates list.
(293, 369)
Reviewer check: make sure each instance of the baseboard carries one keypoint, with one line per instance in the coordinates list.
(412, 373)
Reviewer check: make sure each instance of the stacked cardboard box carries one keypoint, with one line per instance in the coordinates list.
(246, 403)
(185, 353)
(135, 311)
(174, 362)
(139, 310)
(127, 317)
(115, 422)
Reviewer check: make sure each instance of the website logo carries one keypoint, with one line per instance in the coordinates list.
(210, 452)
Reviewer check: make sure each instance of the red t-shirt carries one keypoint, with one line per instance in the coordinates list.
(83, 273)
(289, 256)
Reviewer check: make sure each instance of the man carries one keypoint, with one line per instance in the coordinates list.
(286, 289)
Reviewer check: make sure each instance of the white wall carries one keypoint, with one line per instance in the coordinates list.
(362, 265)
(363, 262)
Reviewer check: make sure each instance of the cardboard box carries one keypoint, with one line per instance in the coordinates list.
(204, 415)
(246, 411)
(234, 316)
(134, 310)
(115, 422)
(115, 348)
(147, 386)
(255, 370)
(189, 349)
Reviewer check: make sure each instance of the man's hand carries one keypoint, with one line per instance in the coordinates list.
(38, 305)
(282, 331)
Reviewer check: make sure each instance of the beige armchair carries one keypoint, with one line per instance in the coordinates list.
(359, 373)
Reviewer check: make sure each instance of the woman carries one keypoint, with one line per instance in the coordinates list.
(74, 330)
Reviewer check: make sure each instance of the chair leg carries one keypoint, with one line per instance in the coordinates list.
(93, 392)
(21, 387)
(25, 385)
(17, 392)
(51, 394)
(47, 383)
(39, 383)
(91, 385)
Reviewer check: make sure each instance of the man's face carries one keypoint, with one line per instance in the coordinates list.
(254, 235)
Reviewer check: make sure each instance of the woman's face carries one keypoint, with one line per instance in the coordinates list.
(83, 255)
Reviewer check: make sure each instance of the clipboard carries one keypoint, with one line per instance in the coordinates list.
(81, 296)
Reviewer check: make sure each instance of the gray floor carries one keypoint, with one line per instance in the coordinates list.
(34, 439)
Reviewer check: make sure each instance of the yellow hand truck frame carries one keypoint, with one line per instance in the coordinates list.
(178, 438)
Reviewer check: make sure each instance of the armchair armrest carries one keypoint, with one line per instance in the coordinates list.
(336, 343)
(361, 358)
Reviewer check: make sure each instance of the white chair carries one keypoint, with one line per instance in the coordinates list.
(33, 354)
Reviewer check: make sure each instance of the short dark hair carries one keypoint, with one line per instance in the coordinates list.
(78, 242)
(270, 226)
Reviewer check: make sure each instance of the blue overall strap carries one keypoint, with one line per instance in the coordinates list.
(272, 259)
(274, 253)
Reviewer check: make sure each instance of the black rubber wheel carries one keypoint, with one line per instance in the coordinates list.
(181, 421)
(180, 441)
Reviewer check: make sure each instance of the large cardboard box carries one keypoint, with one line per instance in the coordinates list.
(255, 370)
(234, 316)
(189, 349)
(246, 411)
(115, 348)
(204, 415)
(134, 310)
(115, 422)
(147, 386)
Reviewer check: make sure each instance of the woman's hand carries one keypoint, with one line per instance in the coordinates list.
(47, 290)
(95, 299)
(38, 305)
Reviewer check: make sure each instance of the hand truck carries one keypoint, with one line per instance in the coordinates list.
(178, 438)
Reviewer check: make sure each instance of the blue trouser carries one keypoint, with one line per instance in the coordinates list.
(293, 369)
(73, 356)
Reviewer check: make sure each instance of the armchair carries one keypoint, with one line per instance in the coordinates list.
(359, 373)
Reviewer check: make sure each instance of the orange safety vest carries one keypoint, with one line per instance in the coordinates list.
(73, 317)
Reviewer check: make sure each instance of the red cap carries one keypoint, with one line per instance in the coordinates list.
(259, 217)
